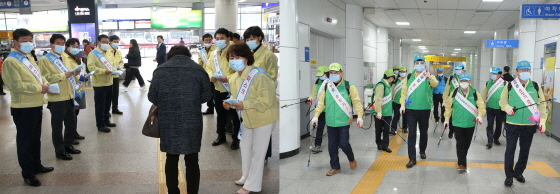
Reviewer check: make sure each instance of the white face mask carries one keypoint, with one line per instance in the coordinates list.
(457, 72)
(207, 45)
(464, 85)
(104, 47)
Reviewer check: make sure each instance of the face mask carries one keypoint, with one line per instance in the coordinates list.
(464, 85)
(59, 49)
(457, 72)
(207, 45)
(104, 47)
(323, 77)
(74, 51)
(237, 64)
(420, 67)
(524, 76)
(396, 72)
(221, 44)
(334, 78)
(440, 74)
(402, 74)
(252, 44)
(493, 77)
(26, 47)
(115, 45)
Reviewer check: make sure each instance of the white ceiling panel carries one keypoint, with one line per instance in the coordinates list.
(468, 4)
(448, 4)
(386, 3)
(406, 4)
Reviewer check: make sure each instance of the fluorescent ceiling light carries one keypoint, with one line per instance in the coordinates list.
(457, 49)
(416, 40)
(422, 46)
(470, 32)
(492, 0)
(453, 54)
(242, 0)
(402, 23)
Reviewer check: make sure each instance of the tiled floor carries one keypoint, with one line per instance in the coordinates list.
(122, 161)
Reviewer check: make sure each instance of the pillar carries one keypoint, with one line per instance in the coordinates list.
(226, 14)
(83, 17)
(527, 37)
(397, 52)
(199, 32)
(483, 70)
(288, 78)
(355, 53)
(499, 54)
(406, 60)
(382, 63)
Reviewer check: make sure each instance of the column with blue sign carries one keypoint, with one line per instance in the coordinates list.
(502, 43)
(541, 11)
(306, 54)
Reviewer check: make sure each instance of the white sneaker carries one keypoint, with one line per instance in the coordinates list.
(143, 88)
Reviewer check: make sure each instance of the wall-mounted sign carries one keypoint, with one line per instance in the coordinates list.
(438, 58)
(313, 62)
(329, 20)
(502, 43)
(81, 11)
(7, 34)
(195, 39)
(269, 5)
(543, 11)
(177, 19)
(14, 3)
(306, 54)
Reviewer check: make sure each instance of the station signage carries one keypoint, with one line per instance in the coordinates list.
(439, 58)
(14, 3)
(502, 43)
(541, 11)
(82, 11)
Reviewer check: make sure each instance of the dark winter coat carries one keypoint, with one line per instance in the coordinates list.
(134, 58)
(179, 87)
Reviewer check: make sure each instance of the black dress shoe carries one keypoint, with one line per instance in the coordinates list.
(104, 129)
(497, 142)
(411, 163)
(3, 93)
(32, 181)
(117, 111)
(235, 145)
(379, 148)
(489, 146)
(64, 156)
(387, 150)
(78, 136)
(76, 142)
(509, 181)
(450, 135)
(44, 170)
(219, 141)
(423, 155)
(109, 124)
(72, 150)
(391, 132)
(519, 177)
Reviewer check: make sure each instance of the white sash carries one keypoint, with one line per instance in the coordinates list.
(454, 82)
(321, 89)
(244, 90)
(524, 95)
(23, 59)
(219, 70)
(494, 88)
(417, 81)
(339, 99)
(398, 87)
(62, 68)
(103, 60)
(203, 55)
(467, 104)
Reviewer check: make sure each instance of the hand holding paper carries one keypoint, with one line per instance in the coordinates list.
(117, 72)
(90, 73)
(232, 101)
(53, 88)
(79, 67)
(217, 75)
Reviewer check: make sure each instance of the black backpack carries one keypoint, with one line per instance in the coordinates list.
(535, 84)
(373, 95)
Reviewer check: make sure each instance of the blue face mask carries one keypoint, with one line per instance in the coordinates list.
(420, 67)
(74, 51)
(402, 74)
(524, 76)
(493, 77)
(396, 72)
(221, 44)
(237, 64)
(59, 49)
(323, 77)
(440, 74)
(26, 47)
(334, 77)
(115, 45)
(458, 72)
(252, 44)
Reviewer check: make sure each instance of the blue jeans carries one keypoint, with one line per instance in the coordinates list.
(339, 137)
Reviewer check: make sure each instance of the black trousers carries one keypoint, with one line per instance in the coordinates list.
(210, 102)
(382, 127)
(1, 85)
(498, 116)
(320, 128)
(397, 116)
(464, 139)
(523, 134)
(63, 112)
(115, 95)
(438, 103)
(222, 116)
(417, 119)
(102, 97)
(192, 172)
(28, 138)
(132, 72)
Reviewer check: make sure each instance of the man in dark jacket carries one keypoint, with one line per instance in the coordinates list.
(161, 50)
(507, 77)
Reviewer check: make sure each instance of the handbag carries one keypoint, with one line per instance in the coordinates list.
(151, 128)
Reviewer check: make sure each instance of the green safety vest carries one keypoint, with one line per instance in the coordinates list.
(521, 115)
(334, 115)
(397, 96)
(460, 116)
(387, 109)
(494, 100)
(422, 97)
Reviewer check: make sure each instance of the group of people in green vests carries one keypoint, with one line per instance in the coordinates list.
(410, 95)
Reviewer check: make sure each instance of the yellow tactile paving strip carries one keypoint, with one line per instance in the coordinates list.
(161, 174)
(390, 161)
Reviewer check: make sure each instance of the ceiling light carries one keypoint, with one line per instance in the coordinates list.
(422, 46)
(242, 0)
(470, 32)
(457, 49)
(402, 23)
(453, 54)
(492, 0)
(416, 40)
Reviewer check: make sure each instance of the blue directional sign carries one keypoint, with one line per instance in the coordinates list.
(544, 11)
(306, 50)
(14, 3)
(502, 43)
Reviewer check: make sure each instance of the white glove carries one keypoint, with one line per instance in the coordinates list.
(445, 124)
(402, 110)
(314, 121)
(509, 111)
(360, 122)
(542, 128)
(479, 120)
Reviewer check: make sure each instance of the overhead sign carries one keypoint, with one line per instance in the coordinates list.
(14, 3)
(502, 43)
(544, 11)
(269, 5)
(177, 19)
(441, 65)
(439, 58)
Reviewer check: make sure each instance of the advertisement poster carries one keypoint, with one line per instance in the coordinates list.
(177, 19)
(368, 73)
(549, 87)
(83, 31)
